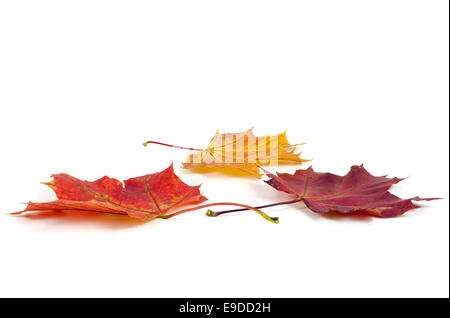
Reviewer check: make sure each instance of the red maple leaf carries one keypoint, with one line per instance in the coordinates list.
(146, 197)
(160, 194)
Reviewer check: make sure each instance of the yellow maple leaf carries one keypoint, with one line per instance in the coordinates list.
(243, 152)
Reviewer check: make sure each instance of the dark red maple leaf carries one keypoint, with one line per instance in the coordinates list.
(356, 192)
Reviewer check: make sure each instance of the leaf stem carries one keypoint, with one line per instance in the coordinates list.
(245, 207)
(211, 213)
(168, 145)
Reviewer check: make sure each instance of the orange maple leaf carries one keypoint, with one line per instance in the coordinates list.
(146, 197)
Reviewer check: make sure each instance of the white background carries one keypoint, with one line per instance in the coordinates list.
(84, 83)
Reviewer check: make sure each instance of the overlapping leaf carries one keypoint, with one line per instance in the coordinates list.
(147, 197)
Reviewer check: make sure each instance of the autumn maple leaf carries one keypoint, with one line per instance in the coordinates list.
(358, 192)
(243, 151)
(160, 194)
(143, 197)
